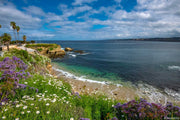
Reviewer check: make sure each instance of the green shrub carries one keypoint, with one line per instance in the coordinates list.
(39, 49)
(32, 41)
(41, 45)
(51, 48)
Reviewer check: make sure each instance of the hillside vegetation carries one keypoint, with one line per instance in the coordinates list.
(28, 91)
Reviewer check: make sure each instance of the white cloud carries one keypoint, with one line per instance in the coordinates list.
(144, 21)
(34, 10)
(10, 13)
(38, 34)
(80, 2)
(67, 12)
(150, 18)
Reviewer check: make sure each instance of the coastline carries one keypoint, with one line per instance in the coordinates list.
(115, 91)
(50, 89)
(121, 92)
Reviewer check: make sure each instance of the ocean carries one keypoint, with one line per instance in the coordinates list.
(124, 61)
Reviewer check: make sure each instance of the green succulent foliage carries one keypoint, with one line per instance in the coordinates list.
(6, 37)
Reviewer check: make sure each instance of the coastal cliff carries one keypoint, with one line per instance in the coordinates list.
(49, 50)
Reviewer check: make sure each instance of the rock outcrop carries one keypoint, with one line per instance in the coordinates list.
(68, 49)
(52, 52)
(56, 53)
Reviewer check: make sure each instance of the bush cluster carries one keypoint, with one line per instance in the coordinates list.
(12, 70)
(143, 110)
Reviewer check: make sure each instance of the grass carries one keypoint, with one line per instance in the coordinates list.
(41, 45)
(26, 57)
(54, 101)
(35, 62)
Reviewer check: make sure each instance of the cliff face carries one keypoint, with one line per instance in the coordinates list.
(49, 50)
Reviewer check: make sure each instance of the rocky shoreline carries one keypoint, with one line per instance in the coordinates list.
(114, 91)
(53, 50)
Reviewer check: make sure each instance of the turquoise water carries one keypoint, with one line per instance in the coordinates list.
(89, 73)
(154, 63)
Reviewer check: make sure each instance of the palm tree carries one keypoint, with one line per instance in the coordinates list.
(0, 36)
(18, 29)
(13, 25)
(6, 38)
(0, 40)
(0, 27)
(24, 38)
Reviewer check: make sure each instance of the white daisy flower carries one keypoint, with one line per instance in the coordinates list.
(32, 104)
(17, 119)
(22, 112)
(47, 112)
(54, 100)
(4, 117)
(28, 111)
(17, 106)
(3, 103)
(47, 104)
(25, 107)
(37, 112)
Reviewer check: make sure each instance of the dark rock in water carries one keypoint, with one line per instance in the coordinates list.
(79, 51)
(68, 49)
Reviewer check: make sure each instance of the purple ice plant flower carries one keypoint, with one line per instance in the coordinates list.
(141, 109)
(114, 118)
(12, 71)
(84, 119)
(22, 86)
(77, 94)
(118, 105)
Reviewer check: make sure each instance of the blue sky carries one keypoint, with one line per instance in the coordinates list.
(91, 19)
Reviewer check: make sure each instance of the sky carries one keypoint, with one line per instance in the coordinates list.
(91, 19)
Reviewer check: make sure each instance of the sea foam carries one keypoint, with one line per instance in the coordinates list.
(174, 67)
(81, 78)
